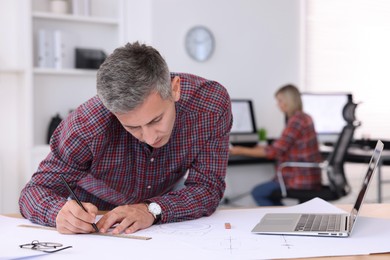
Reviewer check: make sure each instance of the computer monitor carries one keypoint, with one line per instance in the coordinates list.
(326, 110)
(244, 130)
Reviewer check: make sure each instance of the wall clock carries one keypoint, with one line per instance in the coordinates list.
(199, 43)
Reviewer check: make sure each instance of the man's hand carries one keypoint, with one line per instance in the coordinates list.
(73, 219)
(129, 218)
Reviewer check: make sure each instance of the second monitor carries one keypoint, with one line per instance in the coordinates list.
(326, 109)
(244, 130)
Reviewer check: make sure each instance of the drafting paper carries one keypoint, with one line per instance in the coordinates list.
(205, 238)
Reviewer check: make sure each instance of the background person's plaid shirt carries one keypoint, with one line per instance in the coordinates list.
(108, 167)
(298, 143)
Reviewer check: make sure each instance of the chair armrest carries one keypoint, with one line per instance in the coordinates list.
(321, 165)
(303, 165)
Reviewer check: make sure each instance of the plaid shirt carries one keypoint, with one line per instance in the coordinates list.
(298, 143)
(108, 167)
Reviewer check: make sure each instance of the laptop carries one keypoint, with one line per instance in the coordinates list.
(319, 224)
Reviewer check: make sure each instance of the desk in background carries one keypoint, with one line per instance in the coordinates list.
(361, 153)
(261, 169)
(243, 174)
(245, 160)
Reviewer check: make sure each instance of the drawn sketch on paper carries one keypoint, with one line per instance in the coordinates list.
(182, 229)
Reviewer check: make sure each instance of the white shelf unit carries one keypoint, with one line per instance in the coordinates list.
(11, 70)
(1, 187)
(58, 91)
(75, 18)
(66, 71)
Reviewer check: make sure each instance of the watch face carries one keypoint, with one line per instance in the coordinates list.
(154, 208)
(200, 43)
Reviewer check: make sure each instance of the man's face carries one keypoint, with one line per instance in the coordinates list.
(152, 122)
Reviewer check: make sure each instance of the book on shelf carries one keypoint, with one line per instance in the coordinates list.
(54, 50)
(81, 7)
(45, 55)
(60, 50)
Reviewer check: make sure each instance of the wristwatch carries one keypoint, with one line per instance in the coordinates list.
(155, 210)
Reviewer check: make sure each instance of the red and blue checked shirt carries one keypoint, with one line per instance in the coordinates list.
(298, 143)
(108, 167)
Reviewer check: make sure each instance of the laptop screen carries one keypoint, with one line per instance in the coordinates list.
(363, 191)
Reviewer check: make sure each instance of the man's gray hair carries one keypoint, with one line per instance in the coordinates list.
(129, 75)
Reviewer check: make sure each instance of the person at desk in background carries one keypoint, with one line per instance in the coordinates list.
(297, 143)
(125, 150)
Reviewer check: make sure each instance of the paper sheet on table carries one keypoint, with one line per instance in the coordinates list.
(209, 235)
(206, 238)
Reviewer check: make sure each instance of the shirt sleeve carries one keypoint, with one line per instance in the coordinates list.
(44, 195)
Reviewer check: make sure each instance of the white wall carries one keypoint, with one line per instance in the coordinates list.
(11, 53)
(12, 131)
(138, 21)
(257, 45)
(349, 52)
(10, 140)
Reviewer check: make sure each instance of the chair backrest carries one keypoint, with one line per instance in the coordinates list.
(336, 176)
(349, 112)
(340, 149)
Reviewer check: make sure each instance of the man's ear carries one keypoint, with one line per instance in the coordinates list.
(175, 83)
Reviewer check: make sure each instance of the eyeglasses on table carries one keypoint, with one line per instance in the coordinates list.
(47, 247)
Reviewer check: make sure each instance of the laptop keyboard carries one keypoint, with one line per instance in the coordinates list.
(315, 222)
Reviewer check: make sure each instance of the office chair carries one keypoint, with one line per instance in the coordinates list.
(333, 166)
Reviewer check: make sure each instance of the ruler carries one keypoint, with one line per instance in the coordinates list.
(97, 234)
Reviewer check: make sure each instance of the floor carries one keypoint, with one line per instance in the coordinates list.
(355, 173)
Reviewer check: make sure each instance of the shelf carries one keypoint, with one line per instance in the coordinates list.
(75, 72)
(75, 18)
(52, 90)
(11, 70)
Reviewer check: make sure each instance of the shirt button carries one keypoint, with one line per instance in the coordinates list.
(152, 159)
(149, 187)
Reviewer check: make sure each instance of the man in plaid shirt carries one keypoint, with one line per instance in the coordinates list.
(125, 150)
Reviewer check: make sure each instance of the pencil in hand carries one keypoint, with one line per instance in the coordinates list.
(76, 199)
